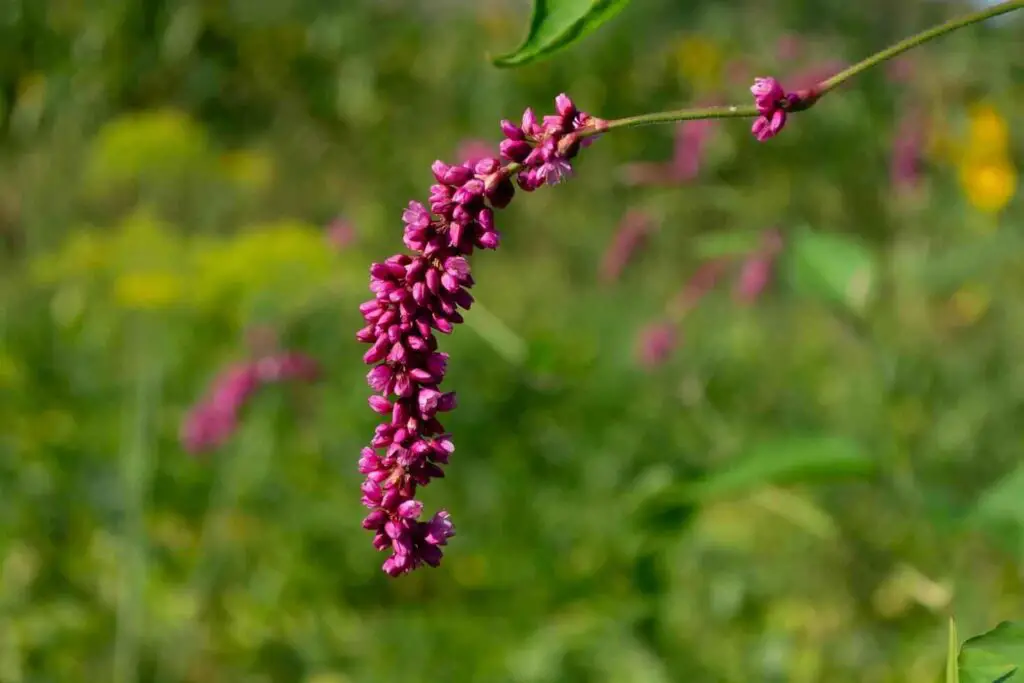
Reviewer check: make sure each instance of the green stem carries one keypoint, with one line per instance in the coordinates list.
(919, 39)
(733, 112)
(748, 111)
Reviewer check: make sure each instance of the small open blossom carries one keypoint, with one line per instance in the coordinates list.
(213, 420)
(774, 104)
(769, 98)
(420, 294)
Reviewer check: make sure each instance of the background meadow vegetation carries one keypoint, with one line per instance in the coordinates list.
(801, 490)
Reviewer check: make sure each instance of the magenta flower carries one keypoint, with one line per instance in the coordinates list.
(633, 231)
(774, 103)
(770, 100)
(212, 421)
(416, 295)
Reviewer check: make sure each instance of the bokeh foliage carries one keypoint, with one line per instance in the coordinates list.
(167, 172)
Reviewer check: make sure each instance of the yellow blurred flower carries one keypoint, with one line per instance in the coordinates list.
(147, 291)
(699, 60)
(248, 169)
(988, 135)
(288, 258)
(153, 143)
(989, 185)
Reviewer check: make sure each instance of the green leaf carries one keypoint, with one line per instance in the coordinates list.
(556, 24)
(834, 268)
(1004, 500)
(722, 243)
(787, 460)
(994, 656)
(952, 648)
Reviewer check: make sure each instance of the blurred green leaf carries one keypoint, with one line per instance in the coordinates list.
(722, 243)
(1004, 500)
(834, 268)
(557, 24)
(994, 656)
(785, 460)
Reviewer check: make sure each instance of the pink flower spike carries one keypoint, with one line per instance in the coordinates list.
(423, 293)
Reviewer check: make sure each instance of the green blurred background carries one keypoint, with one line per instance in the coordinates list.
(801, 492)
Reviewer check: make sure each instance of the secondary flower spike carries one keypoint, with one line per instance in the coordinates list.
(213, 420)
(420, 294)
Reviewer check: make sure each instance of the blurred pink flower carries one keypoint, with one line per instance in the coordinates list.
(340, 233)
(212, 421)
(633, 232)
(703, 280)
(905, 163)
(655, 344)
(691, 140)
(757, 270)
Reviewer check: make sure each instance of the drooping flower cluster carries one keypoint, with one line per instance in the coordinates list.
(213, 420)
(416, 295)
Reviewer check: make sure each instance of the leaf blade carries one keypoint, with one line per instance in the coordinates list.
(837, 269)
(993, 656)
(786, 460)
(557, 24)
